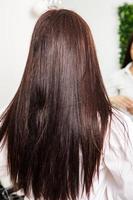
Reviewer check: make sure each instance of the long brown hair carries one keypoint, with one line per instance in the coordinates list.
(60, 110)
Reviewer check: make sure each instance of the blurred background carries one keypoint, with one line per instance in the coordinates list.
(16, 25)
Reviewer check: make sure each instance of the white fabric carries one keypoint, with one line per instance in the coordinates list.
(116, 167)
(121, 83)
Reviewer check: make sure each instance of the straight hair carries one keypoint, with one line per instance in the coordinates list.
(58, 118)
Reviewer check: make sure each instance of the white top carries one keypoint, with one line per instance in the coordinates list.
(116, 167)
(121, 83)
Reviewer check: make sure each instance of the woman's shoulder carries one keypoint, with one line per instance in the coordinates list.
(121, 124)
(118, 157)
(120, 134)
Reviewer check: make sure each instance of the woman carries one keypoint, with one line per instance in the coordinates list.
(62, 138)
(120, 86)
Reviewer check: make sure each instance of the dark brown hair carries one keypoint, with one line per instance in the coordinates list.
(128, 58)
(59, 115)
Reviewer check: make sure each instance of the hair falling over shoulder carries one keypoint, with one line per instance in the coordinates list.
(60, 108)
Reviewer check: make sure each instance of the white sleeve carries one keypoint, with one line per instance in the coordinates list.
(112, 85)
(118, 159)
(4, 174)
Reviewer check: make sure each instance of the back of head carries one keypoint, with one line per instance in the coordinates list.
(128, 57)
(56, 110)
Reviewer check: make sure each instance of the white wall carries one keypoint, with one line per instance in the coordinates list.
(102, 18)
(16, 25)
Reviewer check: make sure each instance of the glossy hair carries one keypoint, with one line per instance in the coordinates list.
(128, 58)
(60, 113)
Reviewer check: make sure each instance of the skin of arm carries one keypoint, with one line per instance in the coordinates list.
(122, 102)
